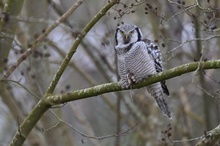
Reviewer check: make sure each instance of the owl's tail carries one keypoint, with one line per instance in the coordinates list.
(156, 91)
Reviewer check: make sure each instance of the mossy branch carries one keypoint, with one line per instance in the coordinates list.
(111, 87)
(73, 49)
(46, 102)
(27, 125)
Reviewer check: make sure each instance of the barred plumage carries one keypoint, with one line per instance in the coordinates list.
(154, 50)
(137, 59)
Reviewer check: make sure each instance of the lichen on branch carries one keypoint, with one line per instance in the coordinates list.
(111, 87)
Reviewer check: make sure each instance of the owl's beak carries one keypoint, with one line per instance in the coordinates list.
(126, 39)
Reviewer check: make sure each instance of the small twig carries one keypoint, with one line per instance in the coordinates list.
(189, 140)
(196, 4)
(211, 136)
(34, 20)
(41, 38)
(25, 88)
(192, 40)
(211, 78)
(204, 9)
(204, 90)
(124, 133)
(51, 127)
(78, 40)
(176, 14)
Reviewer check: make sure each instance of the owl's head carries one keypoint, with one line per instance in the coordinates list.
(127, 34)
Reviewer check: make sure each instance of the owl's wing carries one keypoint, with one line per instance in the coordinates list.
(155, 53)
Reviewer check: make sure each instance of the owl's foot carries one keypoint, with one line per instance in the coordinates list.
(128, 81)
(124, 83)
(131, 78)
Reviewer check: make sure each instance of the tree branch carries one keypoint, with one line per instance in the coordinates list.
(46, 102)
(27, 125)
(110, 87)
(210, 138)
(79, 38)
(41, 38)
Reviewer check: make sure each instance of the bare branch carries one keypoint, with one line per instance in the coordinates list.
(210, 137)
(131, 129)
(46, 102)
(41, 38)
(193, 40)
(110, 87)
(42, 106)
(73, 49)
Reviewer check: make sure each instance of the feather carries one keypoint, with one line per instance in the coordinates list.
(155, 53)
(138, 59)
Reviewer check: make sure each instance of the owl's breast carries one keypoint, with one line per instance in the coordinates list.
(139, 62)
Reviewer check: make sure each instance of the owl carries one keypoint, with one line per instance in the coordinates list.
(137, 59)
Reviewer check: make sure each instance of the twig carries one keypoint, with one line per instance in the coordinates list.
(42, 106)
(185, 9)
(25, 88)
(124, 133)
(51, 127)
(192, 40)
(189, 140)
(210, 137)
(41, 38)
(78, 40)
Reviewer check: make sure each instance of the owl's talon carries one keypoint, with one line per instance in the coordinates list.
(133, 79)
(124, 84)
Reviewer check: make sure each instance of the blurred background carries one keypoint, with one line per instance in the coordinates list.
(185, 30)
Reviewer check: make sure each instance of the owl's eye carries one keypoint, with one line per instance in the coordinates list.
(132, 32)
(122, 32)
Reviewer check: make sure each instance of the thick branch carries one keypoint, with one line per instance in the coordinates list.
(110, 87)
(42, 106)
(72, 50)
(45, 103)
(27, 125)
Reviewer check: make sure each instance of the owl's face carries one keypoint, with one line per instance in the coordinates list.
(127, 34)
